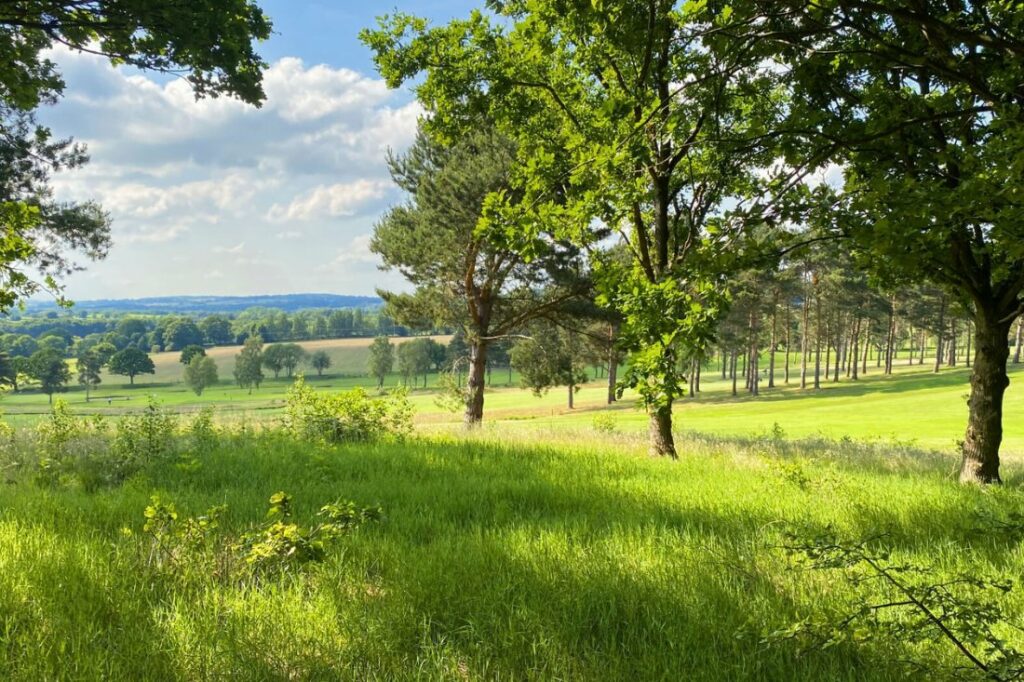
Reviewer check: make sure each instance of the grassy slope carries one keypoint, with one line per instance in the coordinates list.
(494, 562)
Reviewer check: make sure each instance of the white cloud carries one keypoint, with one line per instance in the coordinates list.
(331, 201)
(357, 252)
(197, 188)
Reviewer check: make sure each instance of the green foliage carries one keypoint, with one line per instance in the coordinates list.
(50, 370)
(382, 359)
(249, 364)
(281, 546)
(210, 44)
(283, 356)
(131, 362)
(90, 364)
(897, 601)
(146, 436)
(604, 423)
(189, 352)
(352, 416)
(190, 548)
(550, 357)
(320, 360)
(201, 373)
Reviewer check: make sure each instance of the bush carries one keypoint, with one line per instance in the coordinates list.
(604, 423)
(352, 416)
(146, 436)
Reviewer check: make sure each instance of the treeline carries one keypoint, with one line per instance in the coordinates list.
(830, 323)
(71, 335)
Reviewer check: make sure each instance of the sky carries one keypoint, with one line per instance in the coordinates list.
(217, 197)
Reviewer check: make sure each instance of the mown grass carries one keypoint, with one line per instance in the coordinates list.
(569, 557)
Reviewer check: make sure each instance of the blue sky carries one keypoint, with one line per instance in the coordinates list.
(214, 197)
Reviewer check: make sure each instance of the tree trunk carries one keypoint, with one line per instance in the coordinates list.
(803, 344)
(985, 406)
(613, 364)
(951, 359)
(967, 356)
(662, 442)
(817, 344)
(788, 326)
(572, 394)
(938, 334)
(771, 346)
(867, 350)
(733, 371)
(855, 355)
(475, 383)
(1020, 337)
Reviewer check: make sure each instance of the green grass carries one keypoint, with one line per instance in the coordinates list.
(912, 405)
(561, 560)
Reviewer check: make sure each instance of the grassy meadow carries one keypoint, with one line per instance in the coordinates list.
(546, 546)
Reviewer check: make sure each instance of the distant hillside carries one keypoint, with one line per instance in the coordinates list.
(214, 304)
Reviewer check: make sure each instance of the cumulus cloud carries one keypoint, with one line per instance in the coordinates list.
(199, 179)
(331, 201)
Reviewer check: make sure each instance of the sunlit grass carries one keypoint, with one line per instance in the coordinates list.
(549, 558)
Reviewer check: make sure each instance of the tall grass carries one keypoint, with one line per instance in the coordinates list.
(540, 559)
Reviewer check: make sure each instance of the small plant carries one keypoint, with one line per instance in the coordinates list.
(282, 545)
(604, 423)
(191, 546)
(900, 602)
(146, 436)
(352, 416)
(181, 545)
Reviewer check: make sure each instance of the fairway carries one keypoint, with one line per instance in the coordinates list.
(912, 406)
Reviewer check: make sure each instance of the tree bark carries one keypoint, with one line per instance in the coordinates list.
(572, 394)
(1020, 337)
(475, 383)
(733, 370)
(771, 344)
(817, 343)
(662, 442)
(803, 342)
(788, 351)
(613, 364)
(985, 407)
(938, 334)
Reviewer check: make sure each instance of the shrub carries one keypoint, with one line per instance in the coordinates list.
(145, 436)
(603, 423)
(190, 547)
(352, 416)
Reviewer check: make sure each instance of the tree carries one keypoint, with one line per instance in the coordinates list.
(249, 363)
(382, 359)
(624, 118)
(189, 352)
(178, 334)
(9, 369)
(920, 103)
(465, 277)
(216, 330)
(211, 45)
(90, 363)
(104, 351)
(131, 362)
(320, 361)
(274, 357)
(414, 359)
(50, 370)
(201, 373)
(291, 357)
(550, 357)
